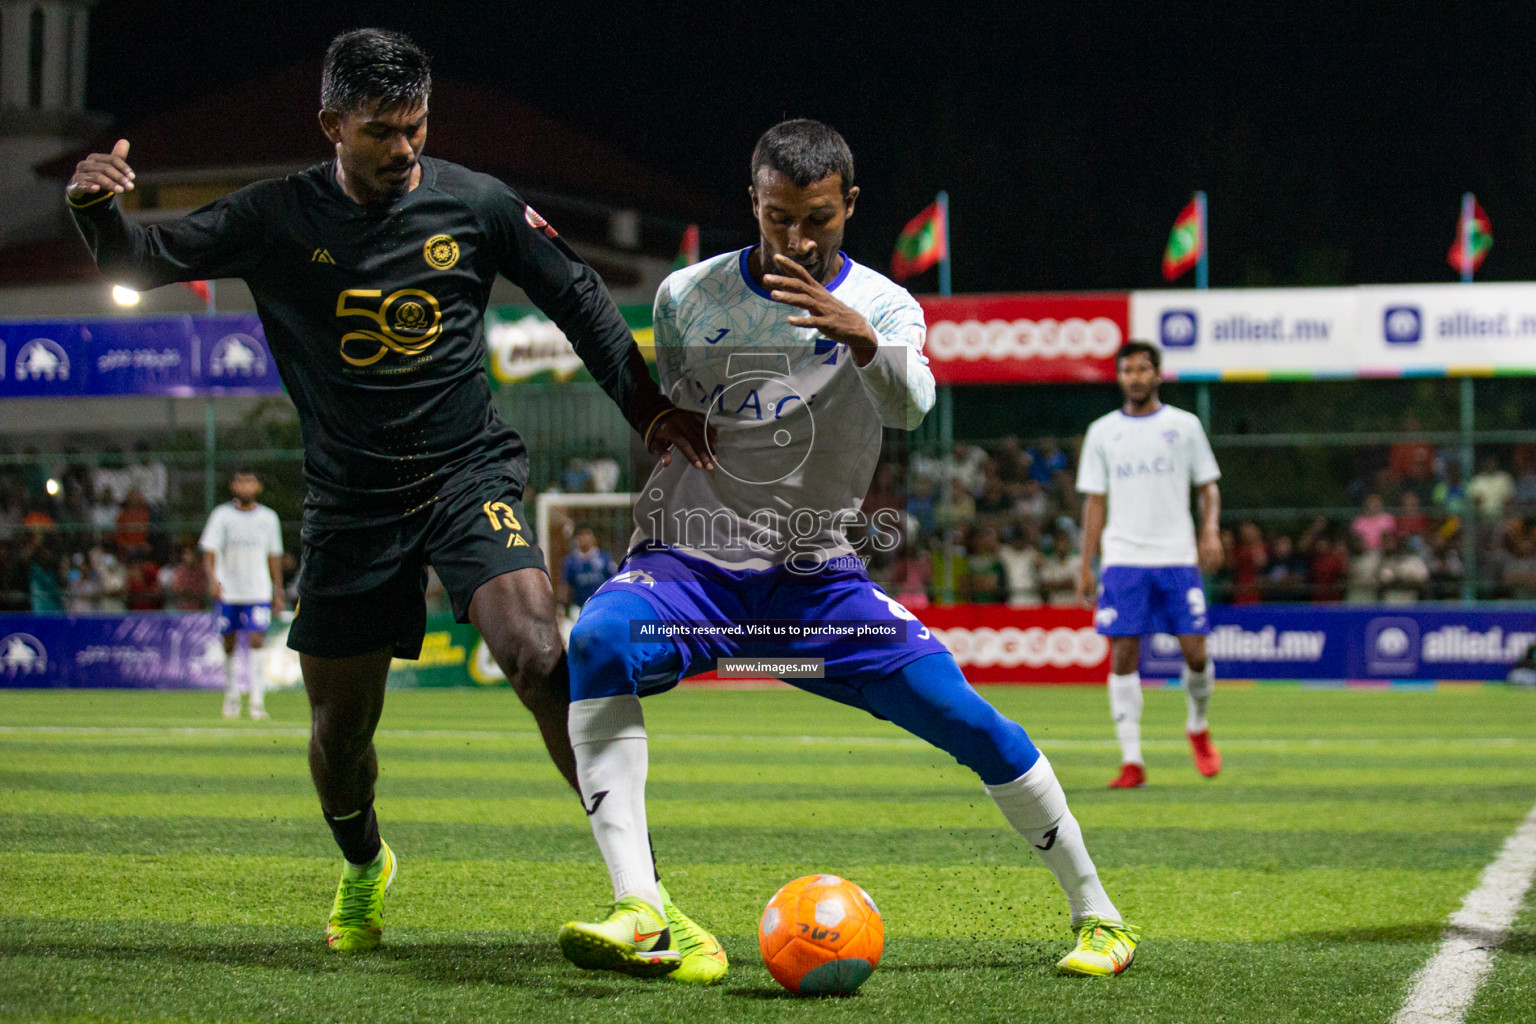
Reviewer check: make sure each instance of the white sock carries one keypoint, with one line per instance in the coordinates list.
(1197, 694)
(243, 666)
(1035, 805)
(1125, 705)
(231, 682)
(258, 672)
(608, 736)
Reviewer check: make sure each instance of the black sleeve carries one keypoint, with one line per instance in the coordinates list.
(222, 239)
(531, 255)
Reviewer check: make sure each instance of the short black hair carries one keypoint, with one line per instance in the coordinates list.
(245, 470)
(374, 69)
(1130, 348)
(803, 151)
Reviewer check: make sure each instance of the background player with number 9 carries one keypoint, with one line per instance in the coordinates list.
(1137, 466)
(242, 546)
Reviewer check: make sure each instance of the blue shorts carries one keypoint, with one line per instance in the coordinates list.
(687, 590)
(893, 667)
(1139, 600)
(243, 618)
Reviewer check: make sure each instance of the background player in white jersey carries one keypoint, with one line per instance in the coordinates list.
(1140, 461)
(243, 550)
(799, 358)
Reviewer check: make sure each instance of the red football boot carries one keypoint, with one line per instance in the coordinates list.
(1207, 757)
(1132, 776)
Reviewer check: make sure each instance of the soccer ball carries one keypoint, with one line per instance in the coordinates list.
(821, 935)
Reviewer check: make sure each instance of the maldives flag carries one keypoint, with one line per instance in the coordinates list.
(921, 244)
(1482, 239)
(688, 251)
(1183, 249)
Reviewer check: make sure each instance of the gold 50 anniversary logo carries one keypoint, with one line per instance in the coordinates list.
(409, 322)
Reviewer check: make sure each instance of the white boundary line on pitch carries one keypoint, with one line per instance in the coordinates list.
(492, 734)
(683, 738)
(1444, 988)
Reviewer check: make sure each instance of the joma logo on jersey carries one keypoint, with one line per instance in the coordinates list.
(409, 322)
(1159, 466)
(503, 518)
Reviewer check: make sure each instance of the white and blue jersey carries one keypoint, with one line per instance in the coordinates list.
(763, 536)
(798, 423)
(243, 541)
(1145, 466)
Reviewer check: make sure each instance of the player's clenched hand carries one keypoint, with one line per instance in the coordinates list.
(102, 172)
(824, 311)
(1087, 586)
(688, 433)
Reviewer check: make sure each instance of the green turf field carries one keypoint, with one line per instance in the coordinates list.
(155, 865)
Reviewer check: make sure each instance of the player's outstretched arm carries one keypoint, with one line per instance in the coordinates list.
(218, 240)
(1094, 510)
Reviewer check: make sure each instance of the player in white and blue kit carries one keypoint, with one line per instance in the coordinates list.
(1140, 462)
(799, 357)
(243, 550)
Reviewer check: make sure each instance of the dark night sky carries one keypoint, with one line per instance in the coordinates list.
(1334, 140)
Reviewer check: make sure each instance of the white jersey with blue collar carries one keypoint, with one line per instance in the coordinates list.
(1145, 466)
(799, 424)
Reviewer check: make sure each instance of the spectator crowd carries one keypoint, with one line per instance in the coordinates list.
(993, 523)
(80, 538)
(1000, 523)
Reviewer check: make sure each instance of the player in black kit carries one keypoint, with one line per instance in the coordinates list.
(371, 273)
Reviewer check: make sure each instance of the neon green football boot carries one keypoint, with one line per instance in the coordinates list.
(634, 939)
(704, 962)
(357, 916)
(1104, 948)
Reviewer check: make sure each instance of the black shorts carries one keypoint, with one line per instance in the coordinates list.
(363, 589)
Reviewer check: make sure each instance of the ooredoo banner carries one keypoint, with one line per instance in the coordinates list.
(997, 644)
(1009, 339)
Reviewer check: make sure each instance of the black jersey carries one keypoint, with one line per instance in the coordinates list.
(375, 316)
